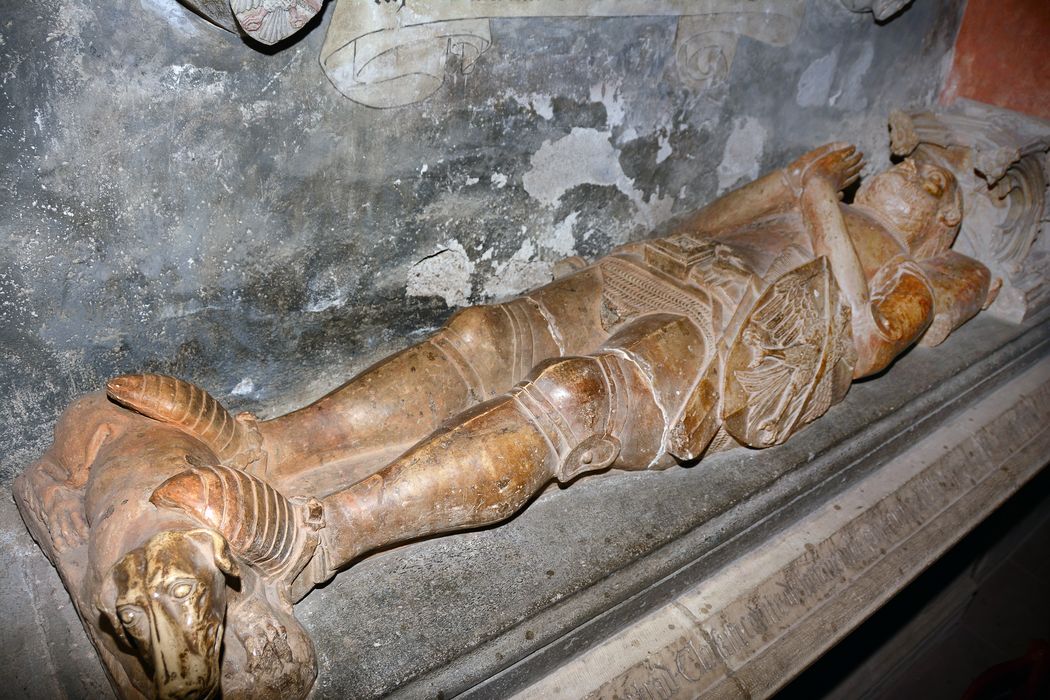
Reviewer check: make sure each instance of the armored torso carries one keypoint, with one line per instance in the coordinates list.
(778, 350)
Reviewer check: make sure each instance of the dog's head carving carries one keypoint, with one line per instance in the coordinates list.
(167, 601)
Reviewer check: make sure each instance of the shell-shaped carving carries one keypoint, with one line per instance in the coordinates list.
(270, 21)
(187, 407)
(258, 522)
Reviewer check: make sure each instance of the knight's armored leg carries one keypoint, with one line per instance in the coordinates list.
(481, 352)
(573, 415)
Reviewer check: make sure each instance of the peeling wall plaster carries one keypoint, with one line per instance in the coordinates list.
(444, 273)
(583, 156)
(743, 153)
(587, 156)
(814, 86)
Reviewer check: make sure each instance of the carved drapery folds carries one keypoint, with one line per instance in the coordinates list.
(792, 360)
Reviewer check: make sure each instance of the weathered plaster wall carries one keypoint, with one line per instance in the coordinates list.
(176, 201)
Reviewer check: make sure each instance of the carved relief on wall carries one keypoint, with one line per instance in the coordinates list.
(185, 535)
(379, 46)
(394, 54)
(391, 53)
(882, 9)
(265, 21)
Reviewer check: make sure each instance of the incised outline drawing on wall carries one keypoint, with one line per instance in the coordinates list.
(185, 535)
(391, 55)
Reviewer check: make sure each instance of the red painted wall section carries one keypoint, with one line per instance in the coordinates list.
(1002, 56)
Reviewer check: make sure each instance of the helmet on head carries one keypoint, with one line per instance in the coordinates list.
(921, 202)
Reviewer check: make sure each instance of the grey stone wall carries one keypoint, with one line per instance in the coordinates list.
(173, 200)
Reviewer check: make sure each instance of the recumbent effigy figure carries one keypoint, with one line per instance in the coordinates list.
(193, 532)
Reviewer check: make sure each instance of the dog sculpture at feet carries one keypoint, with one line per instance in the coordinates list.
(162, 594)
(185, 535)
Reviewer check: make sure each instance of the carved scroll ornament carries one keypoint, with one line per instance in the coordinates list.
(185, 535)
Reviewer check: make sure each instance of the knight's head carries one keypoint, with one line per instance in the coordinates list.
(921, 201)
(167, 601)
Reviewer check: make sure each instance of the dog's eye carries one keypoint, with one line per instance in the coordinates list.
(128, 614)
(181, 589)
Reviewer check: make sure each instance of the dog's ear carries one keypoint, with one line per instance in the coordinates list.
(219, 548)
(106, 602)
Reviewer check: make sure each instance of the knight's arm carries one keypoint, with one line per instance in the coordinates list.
(766, 195)
(888, 314)
(777, 192)
(827, 230)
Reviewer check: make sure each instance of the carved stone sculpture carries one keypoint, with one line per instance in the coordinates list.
(266, 21)
(185, 534)
(1001, 161)
(882, 9)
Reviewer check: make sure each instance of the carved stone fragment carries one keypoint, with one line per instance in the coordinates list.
(217, 12)
(266, 21)
(185, 535)
(270, 21)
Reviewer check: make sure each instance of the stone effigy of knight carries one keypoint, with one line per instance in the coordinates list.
(743, 324)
